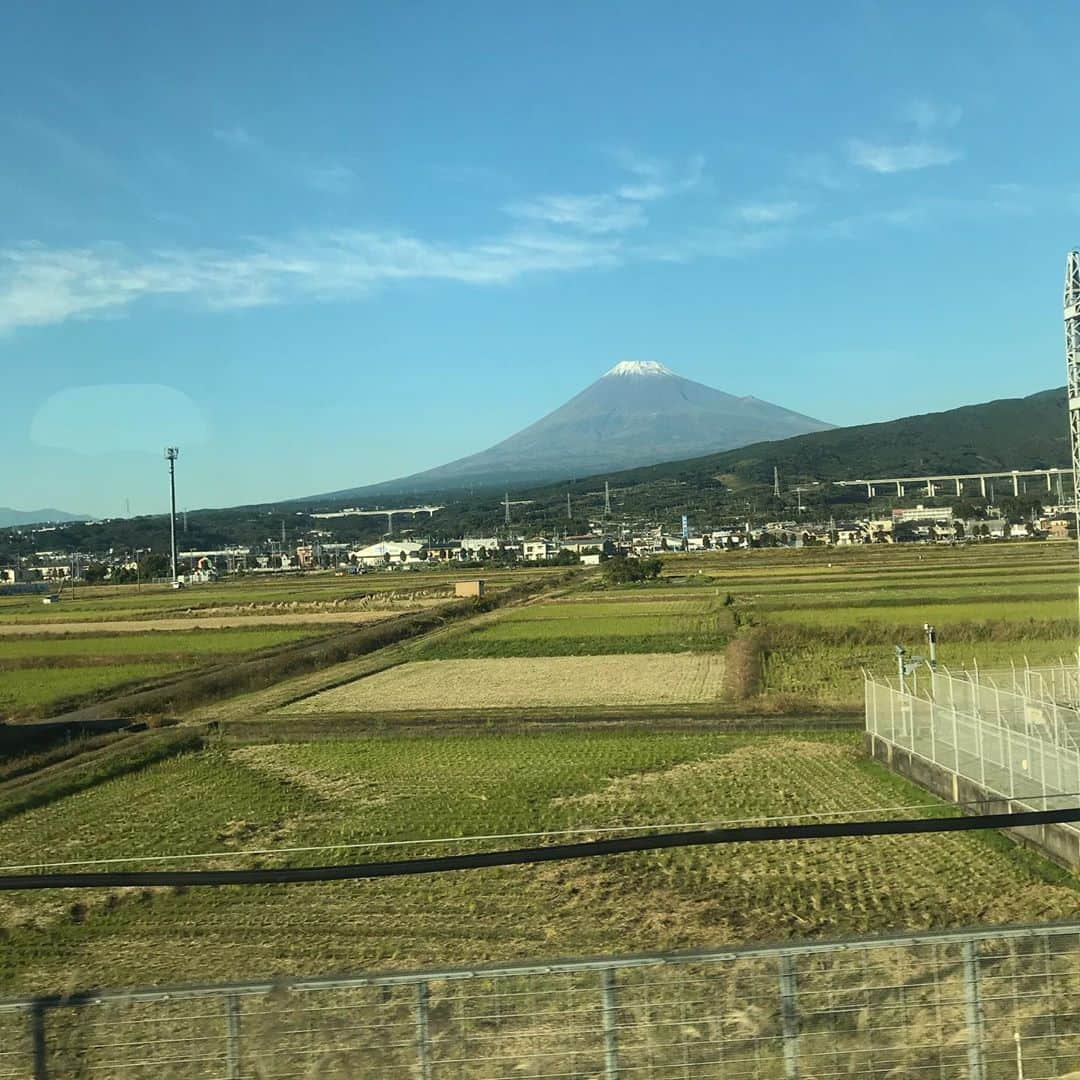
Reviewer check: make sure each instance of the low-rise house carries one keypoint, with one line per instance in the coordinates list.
(537, 550)
(582, 544)
(389, 553)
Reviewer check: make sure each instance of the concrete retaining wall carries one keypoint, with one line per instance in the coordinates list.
(1057, 842)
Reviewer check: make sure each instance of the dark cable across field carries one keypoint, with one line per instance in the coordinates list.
(522, 856)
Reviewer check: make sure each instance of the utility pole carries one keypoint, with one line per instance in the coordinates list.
(1072, 364)
(171, 454)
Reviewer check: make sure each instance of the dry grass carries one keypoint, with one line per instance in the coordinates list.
(552, 681)
(745, 665)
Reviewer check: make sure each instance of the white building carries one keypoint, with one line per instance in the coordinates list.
(537, 550)
(388, 553)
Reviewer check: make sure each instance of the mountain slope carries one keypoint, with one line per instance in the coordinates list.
(638, 413)
(1011, 433)
(10, 517)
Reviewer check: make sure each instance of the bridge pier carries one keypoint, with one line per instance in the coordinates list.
(869, 491)
(1048, 486)
(1016, 484)
(982, 486)
(959, 487)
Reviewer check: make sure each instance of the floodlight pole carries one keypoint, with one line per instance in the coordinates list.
(171, 454)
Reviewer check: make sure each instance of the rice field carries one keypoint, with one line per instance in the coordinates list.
(386, 790)
(251, 594)
(827, 616)
(596, 625)
(41, 674)
(32, 691)
(529, 682)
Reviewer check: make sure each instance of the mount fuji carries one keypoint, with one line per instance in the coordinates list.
(638, 413)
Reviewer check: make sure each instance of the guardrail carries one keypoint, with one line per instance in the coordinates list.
(984, 1004)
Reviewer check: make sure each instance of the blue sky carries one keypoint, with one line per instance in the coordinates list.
(325, 245)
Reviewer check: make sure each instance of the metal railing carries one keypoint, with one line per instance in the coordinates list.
(1024, 748)
(986, 1004)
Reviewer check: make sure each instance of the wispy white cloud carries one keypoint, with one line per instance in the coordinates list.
(589, 213)
(767, 213)
(654, 178)
(617, 210)
(822, 170)
(41, 286)
(928, 115)
(882, 157)
(328, 177)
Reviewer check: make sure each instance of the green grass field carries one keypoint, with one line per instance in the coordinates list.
(27, 692)
(39, 673)
(827, 616)
(596, 626)
(176, 643)
(386, 790)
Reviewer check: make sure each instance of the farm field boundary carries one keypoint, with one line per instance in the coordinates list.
(195, 622)
(313, 727)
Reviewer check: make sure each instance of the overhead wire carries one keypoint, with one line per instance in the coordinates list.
(578, 830)
(522, 856)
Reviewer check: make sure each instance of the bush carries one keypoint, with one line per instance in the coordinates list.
(620, 570)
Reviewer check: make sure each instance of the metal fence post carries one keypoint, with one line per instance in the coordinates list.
(232, 1037)
(789, 1016)
(37, 1041)
(423, 1033)
(611, 1034)
(974, 1010)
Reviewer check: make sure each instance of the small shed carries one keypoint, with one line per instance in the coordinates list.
(469, 588)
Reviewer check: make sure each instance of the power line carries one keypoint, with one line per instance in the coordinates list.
(578, 830)
(524, 856)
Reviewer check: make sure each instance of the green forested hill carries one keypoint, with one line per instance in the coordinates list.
(1014, 433)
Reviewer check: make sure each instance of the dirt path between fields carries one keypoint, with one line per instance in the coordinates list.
(196, 622)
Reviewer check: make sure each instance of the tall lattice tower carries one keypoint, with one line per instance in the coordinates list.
(1072, 364)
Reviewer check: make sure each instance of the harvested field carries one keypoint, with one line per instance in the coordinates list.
(647, 679)
(208, 622)
(383, 790)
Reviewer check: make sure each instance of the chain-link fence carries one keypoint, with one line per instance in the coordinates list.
(983, 1005)
(1022, 747)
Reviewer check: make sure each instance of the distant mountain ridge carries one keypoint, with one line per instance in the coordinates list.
(1010, 433)
(10, 517)
(638, 413)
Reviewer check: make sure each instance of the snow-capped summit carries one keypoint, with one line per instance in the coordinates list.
(638, 413)
(639, 367)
